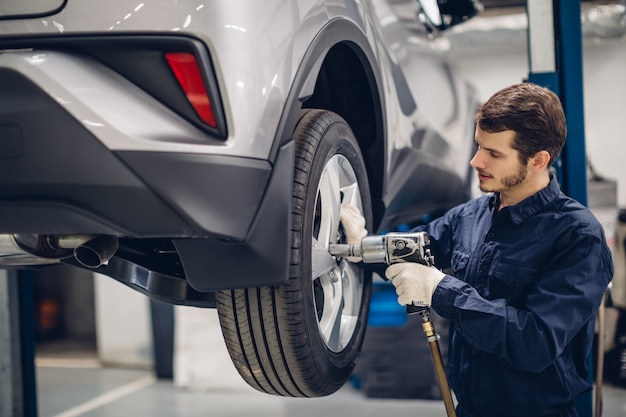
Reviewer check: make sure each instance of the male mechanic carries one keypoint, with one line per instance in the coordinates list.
(530, 268)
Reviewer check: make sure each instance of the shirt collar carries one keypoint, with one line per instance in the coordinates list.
(494, 202)
(531, 205)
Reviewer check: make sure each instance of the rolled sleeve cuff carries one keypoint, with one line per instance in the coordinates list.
(445, 293)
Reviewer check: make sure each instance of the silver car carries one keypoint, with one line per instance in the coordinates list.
(198, 151)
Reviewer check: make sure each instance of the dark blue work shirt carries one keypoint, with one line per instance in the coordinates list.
(528, 281)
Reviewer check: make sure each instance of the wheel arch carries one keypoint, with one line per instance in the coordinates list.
(267, 243)
(339, 73)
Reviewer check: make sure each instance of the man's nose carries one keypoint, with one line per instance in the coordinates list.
(476, 162)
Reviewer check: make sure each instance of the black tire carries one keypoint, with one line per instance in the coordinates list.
(302, 339)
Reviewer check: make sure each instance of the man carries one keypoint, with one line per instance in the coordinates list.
(530, 268)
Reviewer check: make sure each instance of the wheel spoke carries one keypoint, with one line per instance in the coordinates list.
(341, 290)
(350, 189)
(330, 322)
(330, 198)
(323, 261)
(352, 286)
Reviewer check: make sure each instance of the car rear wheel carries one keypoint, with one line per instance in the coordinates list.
(302, 339)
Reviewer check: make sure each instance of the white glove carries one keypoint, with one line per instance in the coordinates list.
(415, 283)
(354, 225)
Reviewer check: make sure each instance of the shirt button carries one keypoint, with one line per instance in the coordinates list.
(474, 389)
(474, 351)
(490, 235)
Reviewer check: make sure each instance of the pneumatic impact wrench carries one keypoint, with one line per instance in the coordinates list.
(404, 247)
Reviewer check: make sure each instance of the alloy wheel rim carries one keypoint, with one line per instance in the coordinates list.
(337, 283)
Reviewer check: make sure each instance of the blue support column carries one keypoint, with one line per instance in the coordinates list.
(574, 156)
(566, 80)
(563, 74)
(27, 341)
(18, 395)
(570, 54)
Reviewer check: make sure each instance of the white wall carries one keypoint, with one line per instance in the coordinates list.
(123, 324)
(201, 360)
(604, 72)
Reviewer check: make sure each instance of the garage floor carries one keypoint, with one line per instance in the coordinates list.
(83, 388)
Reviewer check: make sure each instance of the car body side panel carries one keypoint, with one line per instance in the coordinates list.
(236, 33)
(254, 99)
(263, 77)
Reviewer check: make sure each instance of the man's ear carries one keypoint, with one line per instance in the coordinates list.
(540, 160)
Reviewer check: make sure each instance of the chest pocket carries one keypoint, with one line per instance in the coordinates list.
(510, 280)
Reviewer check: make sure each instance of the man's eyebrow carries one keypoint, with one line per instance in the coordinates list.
(492, 150)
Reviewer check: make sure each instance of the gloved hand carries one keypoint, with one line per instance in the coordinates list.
(415, 283)
(354, 225)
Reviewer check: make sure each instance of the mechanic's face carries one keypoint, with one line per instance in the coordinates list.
(497, 163)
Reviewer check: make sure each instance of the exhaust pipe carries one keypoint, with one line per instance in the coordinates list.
(97, 251)
(20, 250)
(90, 251)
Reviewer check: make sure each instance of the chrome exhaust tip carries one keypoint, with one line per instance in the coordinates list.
(97, 251)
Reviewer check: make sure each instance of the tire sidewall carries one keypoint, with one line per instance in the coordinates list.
(337, 138)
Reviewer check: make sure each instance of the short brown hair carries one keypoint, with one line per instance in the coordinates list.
(533, 112)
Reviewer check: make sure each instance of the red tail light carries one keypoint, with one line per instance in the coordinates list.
(187, 72)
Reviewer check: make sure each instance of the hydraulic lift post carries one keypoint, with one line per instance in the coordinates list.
(555, 61)
(18, 395)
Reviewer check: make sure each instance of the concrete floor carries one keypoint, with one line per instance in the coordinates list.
(83, 388)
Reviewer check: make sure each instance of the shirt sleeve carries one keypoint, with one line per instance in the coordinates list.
(440, 232)
(560, 304)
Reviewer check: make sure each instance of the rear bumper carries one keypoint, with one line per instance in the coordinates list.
(57, 177)
(84, 151)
